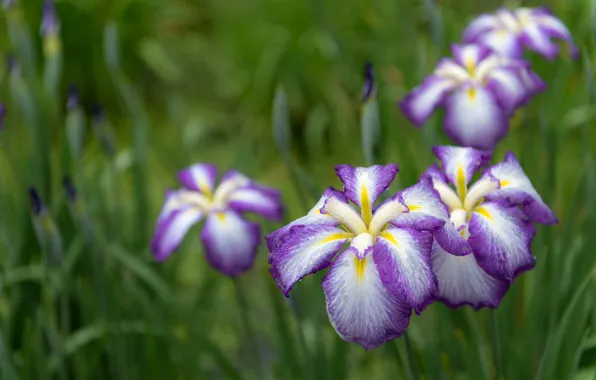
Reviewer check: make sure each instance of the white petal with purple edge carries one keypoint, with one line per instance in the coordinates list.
(199, 177)
(171, 229)
(474, 118)
(360, 308)
(463, 282)
(479, 26)
(258, 200)
(503, 42)
(470, 55)
(422, 101)
(304, 250)
(230, 241)
(516, 189)
(403, 258)
(535, 38)
(364, 185)
(501, 238)
(508, 86)
(460, 163)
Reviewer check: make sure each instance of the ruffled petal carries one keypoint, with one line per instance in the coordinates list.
(314, 217)
(463, 282)
(304, 250)
(428, 212)
(501, 238)
(364, 185)
(480, 26)
(474, 118)
(199, 177)
(419, 104)
(516, 189)
(360, 308)
(460, 163)
(230, 242)
(171, 229)
(257, 199)
(403, 258)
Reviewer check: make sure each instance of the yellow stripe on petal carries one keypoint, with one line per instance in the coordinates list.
(504, 183)
(484, 212)
(221, 216)
(334, 237)
(461, 183)
(360, 265)
(388, 236)
(414, 207)
(366, 206)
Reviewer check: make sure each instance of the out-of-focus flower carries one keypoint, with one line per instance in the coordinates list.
(372, 285)
(50, 23)
(72, 101)
(13, 66)
(36, 205)
(229, 239)
(507, 32)
(8, 3)
(480, 91)
(369, 90)
(494, 216)
(2, 114)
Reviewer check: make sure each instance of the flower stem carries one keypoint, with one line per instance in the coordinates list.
(494, 326)
(248, 330)
(411, 358)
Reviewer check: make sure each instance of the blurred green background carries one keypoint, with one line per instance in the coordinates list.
(184, 81)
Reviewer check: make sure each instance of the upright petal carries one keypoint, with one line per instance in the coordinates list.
(314, 217)
(181, 199)
(440, 183)
(422, 101)
(304, 250)
(428, 212)
(403, 258)
(230, 242)
(230, 181)
(480, 26)
(516, 189)
(463, 282)
(474, 118)
(470, 55)
(360, 308)
(460, 164)
(254, 198)
(501, 238)
(364, 185)
(199, 177)
(339, 208)
(171, 229)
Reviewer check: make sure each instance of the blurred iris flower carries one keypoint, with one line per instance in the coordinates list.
(50, 24)
(479, 90)
(385, 271)
(2, 114)
(494, 219)
(508, 32)
(229, 239)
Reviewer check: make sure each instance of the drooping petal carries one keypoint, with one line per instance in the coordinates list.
(508, 87)
(230, 241)
(253, 198)
(403, 258)
(501, 238)
(419, 104)
(304, 250)
(314, 217)
(463, 282)
(474, 118)
(364, 185)
(470, 55)
(460, 163)
(199, 177)
(480, 26)
(339, 208)
(554, 28)
(516, 189)
(428, 212)
(537, 39)
(360, 307)
(171, 229)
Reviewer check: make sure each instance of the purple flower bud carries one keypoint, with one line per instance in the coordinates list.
(369, 90)
(71, 192)
(50, 24)
(36, 204)
(73, 97)
(97, 113)
(2, 113)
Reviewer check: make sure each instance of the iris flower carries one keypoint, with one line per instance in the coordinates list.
(507, 32)
(479, 90)
(230, 241)
(494, 218)
(373, 284)
(50, 24)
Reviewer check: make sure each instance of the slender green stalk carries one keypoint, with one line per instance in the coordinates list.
(248, 329)
(494, 326)
(411, 359)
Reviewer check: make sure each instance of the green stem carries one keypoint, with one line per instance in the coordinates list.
(411, 358)
(494, 326)
(248, 329)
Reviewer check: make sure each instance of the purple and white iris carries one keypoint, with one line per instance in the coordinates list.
(494, 219)
(229, 239)
(385, 271)
(508, 32)
(479, 90)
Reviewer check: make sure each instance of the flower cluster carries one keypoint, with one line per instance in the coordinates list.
(487, 80)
